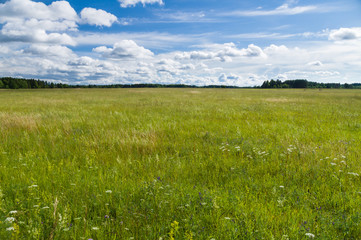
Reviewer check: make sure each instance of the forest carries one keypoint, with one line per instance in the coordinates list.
(21, 83)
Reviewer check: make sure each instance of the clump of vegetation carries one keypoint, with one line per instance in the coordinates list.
(180, 164)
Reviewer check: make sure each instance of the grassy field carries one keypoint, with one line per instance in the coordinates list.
(180, 164)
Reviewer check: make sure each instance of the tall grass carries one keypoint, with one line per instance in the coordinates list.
(180, 164)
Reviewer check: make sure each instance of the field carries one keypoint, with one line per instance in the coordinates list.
(180, 164)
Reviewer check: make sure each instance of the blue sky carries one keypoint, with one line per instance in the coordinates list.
(202, 42)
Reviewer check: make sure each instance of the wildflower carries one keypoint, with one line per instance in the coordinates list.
(352, 173)
(227, 218)
(108, 191)
(310, 235)
(13, 212)
(333, 164)
(282, 186)
(95, 228)
(10, 229)
(33, 186)
(10, 219)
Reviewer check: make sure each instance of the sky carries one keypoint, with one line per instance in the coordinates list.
(203, 42)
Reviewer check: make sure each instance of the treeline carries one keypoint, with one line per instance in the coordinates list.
(302, 83)
(20, 83)
(17, 83)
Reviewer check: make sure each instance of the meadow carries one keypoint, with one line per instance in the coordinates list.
(180, 164)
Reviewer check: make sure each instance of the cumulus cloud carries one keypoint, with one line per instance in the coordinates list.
(132, 3)
(224, 53)
(59, 10)
(96, 17)
(125, 49)
(345, 34)
(49, 50)
(36, 22)
(22, 34)
(274, 49)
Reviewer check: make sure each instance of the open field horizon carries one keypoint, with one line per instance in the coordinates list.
(180, 164)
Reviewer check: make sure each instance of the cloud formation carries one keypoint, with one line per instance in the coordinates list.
(96, 17)
(35, 22)
(222, 52)
(132, 3)
(125, 49)
(345, 34)
(284, 9)
(27, 9)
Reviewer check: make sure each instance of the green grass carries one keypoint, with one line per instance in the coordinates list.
(180, 164)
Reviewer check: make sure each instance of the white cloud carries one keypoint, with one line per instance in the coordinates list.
(96, 17)
(20, 33)
(48, 51)
(345, 34)
(125, 49)
(132, 3)
(154, 40)
(222, 52)
(315, 63)
(35, 22)
(15, 9)
(284, 9)
(4, 50)
(274, 49)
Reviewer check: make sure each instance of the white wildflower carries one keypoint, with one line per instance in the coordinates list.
(33, 186)
(352, 173)
(10, 219)
(10, 229)
(108, 191)
(95, 228)
(227, 218)
(13, 212)
(282, 186)
(310, 235)
(333, 164)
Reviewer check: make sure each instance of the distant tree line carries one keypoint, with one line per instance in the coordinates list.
(20, 83)
(17, 83)
(302, 83)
